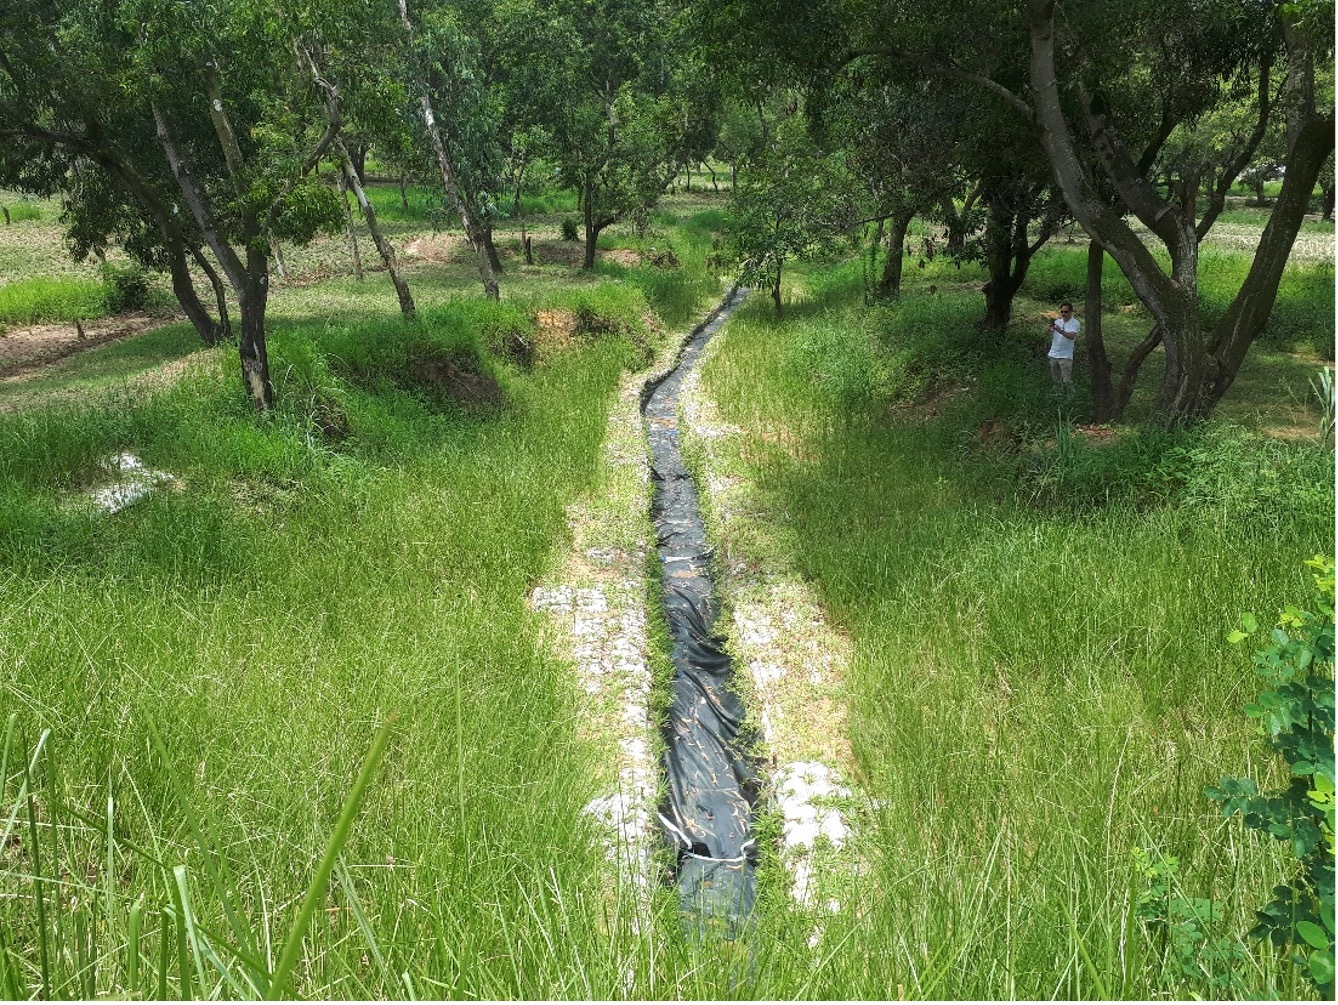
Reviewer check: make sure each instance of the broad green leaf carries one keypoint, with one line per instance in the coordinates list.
(1321, 967)
(1313, 934)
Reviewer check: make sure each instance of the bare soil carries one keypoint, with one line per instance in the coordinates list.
(26, 352)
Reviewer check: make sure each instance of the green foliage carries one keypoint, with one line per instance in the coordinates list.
(1296, 717)
(1184, 926)
(23, 210)
(34, 301)
(310, 208)
(128, 288)
(792, 201)
(571, 228)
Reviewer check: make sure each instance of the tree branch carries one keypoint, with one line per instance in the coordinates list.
(1218, 199)
(934, 68)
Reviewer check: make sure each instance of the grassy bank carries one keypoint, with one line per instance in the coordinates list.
(194, 681)
(1040, 680)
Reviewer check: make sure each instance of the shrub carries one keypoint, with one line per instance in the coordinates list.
(21, 211)
(127, 288)
(571, 228)
(1296, 716)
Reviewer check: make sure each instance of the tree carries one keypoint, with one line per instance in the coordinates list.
(429, 48)
(611, 83)
(1104, 88)
(791, 199)
(203, 114)
(1200, 365)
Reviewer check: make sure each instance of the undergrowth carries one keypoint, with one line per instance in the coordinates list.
(1040, 681)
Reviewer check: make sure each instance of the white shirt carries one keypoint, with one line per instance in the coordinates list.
(1061, 346)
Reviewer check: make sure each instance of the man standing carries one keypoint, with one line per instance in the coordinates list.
(1063, 331)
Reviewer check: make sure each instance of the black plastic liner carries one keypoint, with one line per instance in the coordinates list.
(712, 783)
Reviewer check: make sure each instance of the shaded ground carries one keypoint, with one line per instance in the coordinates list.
(28, 351)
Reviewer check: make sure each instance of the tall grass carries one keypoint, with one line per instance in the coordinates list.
(205, 671)
(33, 301)
(1040, 680)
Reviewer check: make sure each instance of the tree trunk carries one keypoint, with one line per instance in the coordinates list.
(249, 280)
(278, 259)
(955, 224)
(1001, 287)
(999, 293)
(404, 198)
(890, 284)
(1248, 314)
(359, 157)
(348, 227)
(220, 295)
(1326, 206)
(211, 332)
(1196, 374)
(714, 186)
(450, 181)
(383, 246)
(251, 303)
(593, 227)
(519, 209)
(491, 249)
(1103, 391)
(776, 290)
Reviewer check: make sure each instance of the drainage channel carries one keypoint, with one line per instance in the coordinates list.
(712, 783)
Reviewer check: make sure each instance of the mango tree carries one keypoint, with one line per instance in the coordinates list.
(204, 114)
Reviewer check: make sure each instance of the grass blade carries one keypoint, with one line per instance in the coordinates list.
(293, 945)
(132, 946)
(39, 886)
(355, 905)
(214, 864)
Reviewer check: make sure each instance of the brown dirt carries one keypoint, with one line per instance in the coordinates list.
(437, 248)
(623, 256)
(555, 331)
(572, 254)
(25, 352)
(458, 380)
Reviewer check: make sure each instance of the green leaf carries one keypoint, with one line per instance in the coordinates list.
(1237, 636)
(1313, 934)
(1321, 967)
(1249, 623)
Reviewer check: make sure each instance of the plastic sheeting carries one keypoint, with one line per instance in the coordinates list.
(712, 783)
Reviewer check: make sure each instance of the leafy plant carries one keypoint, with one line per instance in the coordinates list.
(570, 228)
(1184, 925)
(127, 288)
(1296, 714)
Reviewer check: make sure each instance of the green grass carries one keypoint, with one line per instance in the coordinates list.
(264, 618)
(33, 301)
(20, 212)
(1039, 683)
(1040, 679)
